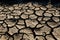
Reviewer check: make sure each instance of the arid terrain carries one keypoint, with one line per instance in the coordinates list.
(29, 21)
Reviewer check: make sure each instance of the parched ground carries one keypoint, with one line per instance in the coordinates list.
(29, 21)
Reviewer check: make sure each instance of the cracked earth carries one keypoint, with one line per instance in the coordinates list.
(29, 21)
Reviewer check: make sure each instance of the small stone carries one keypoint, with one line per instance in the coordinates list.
(56, 33)
(13, 30)
(53, 24)
(39, 38)
(33, 16)
(26, 30)
(56, 19)
(20, 26)
(43, 30)
(20, 22)
(31, 23)
(49, 37)
(24, 16)
(39, 13)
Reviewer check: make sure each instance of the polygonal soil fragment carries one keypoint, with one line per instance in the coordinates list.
(18, 36)
(20, 22)
(13, 30)
(39, 13)
(20, 26)
(43, 30)
(28, 37)
(2, 16)
(39, 38)
(10, 23)
(26, 30)
(33, 16)
(4, 37)
(53, 24)
(3, 29)
(24, 16)
(31, 23)
(49, 37)
(56, 33)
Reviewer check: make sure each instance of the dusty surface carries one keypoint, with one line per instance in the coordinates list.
(30, 21)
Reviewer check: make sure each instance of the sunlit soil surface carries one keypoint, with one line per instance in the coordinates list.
(29, 21)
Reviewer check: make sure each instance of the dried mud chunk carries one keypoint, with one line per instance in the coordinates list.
(43, 8)
(49, 37)
(17, 36)
(1, 8)
(4, 37)
(10, 23)
(56, 19)
(47, 14)
(13, 30)
(57, 13)
(20, 22)
(29, 12)
(43, 30)
(56, 33)
(31, 23)
(46, 18)
(53, 24)
(39, 18)
(39, 38)
(33, 16)
(9, 16)
(28, 37)
(10, 38)
(39, 13)
(39, 26)
(37, 8)
(24, 16)
(3, 29)
(1, 22)
(2, 16)
(26, 30)
(16, 12)
(11, 8)
(20, 26)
